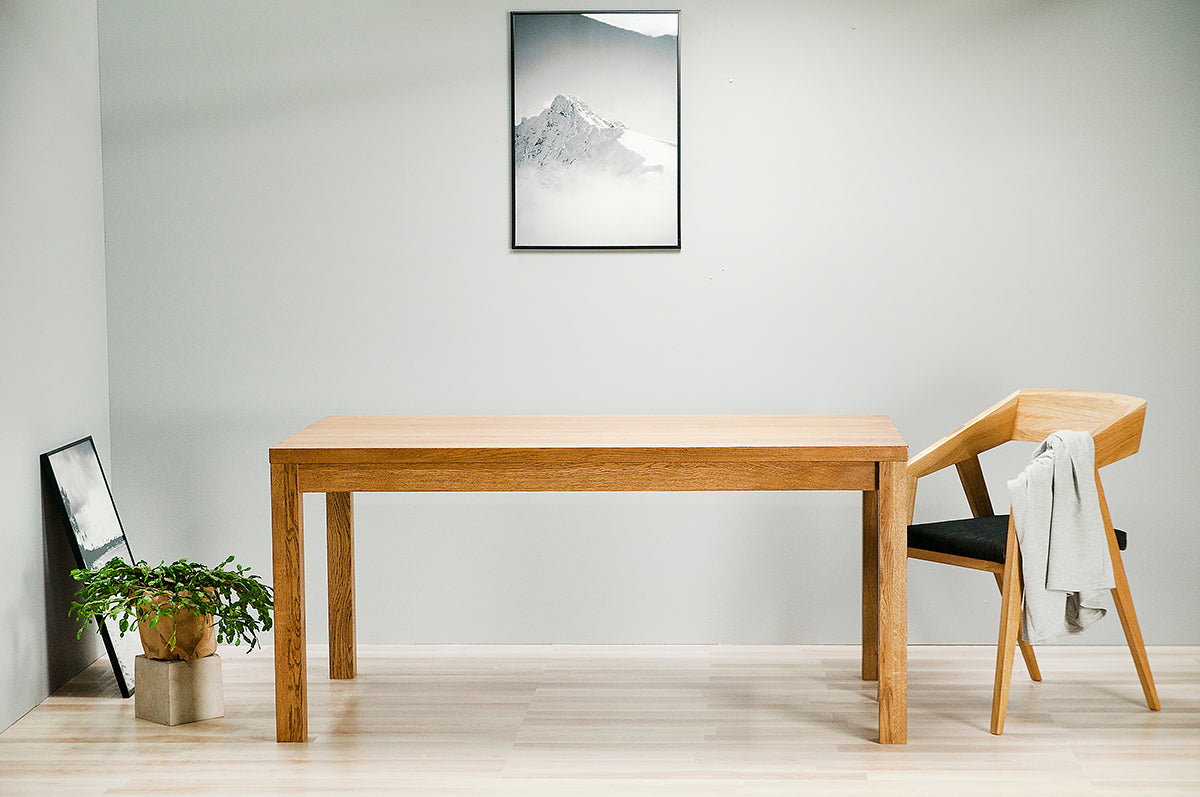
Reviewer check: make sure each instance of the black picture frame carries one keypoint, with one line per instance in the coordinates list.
(582, 173)
(96, 534)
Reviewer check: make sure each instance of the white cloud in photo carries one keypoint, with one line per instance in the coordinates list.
(646, 24)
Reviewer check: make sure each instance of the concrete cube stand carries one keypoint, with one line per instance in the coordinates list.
(176, 692)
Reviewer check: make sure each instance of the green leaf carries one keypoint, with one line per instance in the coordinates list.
(239, 602)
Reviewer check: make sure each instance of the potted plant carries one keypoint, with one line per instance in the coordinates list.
(181, 609)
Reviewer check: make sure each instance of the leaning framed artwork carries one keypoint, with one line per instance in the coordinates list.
(595, 129)
(96, 534)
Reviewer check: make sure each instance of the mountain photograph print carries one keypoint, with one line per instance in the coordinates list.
(75, 474)
(595, 115)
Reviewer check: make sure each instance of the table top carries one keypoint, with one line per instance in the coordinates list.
(380, 438)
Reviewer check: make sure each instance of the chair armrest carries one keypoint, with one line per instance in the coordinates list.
(962, 448)
(988, 430)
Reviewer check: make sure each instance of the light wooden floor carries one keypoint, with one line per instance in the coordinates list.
(632, 720)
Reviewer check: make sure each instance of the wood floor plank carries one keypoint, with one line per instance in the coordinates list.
(652, 720)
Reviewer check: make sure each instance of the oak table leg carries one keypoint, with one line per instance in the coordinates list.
(893, 620)
(339, 513)
(870, 585)
(287, 544)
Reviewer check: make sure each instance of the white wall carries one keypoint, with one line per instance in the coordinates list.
(909, 208)
(53, 345)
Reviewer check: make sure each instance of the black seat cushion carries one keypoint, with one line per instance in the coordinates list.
(975, 538)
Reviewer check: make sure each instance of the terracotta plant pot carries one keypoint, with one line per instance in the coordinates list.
(195, 637)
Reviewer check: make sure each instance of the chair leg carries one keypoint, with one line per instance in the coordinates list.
(1010, 629)
(1124, 603)
(1133, 635)
(1031, 664)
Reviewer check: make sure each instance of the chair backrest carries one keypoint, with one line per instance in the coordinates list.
(1115, 422)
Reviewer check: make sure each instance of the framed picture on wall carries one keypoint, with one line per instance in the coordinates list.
(595, 130)
(96, 535)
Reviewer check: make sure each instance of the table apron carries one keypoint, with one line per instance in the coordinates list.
(590, 477)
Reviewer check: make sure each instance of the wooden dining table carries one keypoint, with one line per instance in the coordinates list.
(342, 455)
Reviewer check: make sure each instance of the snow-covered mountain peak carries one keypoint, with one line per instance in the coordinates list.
(570, 135)
(575, 109)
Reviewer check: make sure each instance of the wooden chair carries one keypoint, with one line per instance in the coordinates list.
(989, 542)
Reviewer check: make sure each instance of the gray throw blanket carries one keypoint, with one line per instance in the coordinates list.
(1064, 551)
